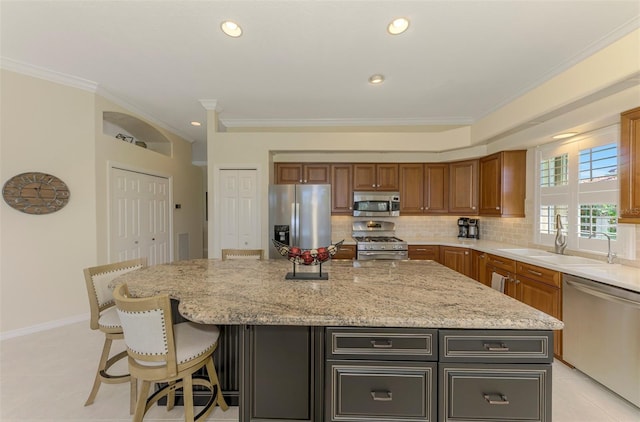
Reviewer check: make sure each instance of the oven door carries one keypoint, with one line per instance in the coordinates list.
(369, 255)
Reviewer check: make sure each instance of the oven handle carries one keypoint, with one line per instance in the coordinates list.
(373, 253)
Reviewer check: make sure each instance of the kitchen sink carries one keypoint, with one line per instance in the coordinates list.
(568, 260)
(526, 252)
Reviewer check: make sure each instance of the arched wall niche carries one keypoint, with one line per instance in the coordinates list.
(130, 129)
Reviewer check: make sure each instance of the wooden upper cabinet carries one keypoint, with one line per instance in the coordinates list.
(503, 183)
(424, 188)
(411, 188)
(629, 167)
(302, 173)
(341, 191)
(382, 177)
(288, 173)
(463, 187)
(436, 188)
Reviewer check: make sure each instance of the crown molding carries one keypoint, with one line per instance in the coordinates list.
(47, 74)
(230, 122)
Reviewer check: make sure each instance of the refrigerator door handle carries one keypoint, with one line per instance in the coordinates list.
(295, 224)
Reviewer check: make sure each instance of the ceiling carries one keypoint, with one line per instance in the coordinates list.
(307, 63)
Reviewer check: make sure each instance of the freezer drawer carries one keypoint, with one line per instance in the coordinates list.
(475, 392)
(382, 343)
(493, 346)
(381, 391)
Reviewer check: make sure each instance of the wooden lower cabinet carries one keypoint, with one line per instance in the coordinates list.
(456, 258)
(345, 252)
(478, 266)
(424, 252)
(541, 288)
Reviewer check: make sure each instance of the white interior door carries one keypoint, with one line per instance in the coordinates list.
(139, 217)
(239, 214)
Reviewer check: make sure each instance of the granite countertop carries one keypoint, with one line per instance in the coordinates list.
(359, 293)
(624, 276)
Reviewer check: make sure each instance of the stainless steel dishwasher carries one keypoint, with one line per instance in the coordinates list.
(601, 335)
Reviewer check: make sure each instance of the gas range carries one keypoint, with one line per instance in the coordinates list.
(376, 240)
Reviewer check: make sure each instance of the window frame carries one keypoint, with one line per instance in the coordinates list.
(575, 193)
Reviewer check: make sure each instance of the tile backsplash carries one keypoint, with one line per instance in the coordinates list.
(516, 231)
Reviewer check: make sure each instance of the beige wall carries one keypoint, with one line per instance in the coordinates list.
(57, 129)
(186, 180)
(48, 128)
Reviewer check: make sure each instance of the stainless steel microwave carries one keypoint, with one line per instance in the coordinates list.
(376, 204)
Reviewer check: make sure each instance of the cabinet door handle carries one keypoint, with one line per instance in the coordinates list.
(498, 208)
(538, 273)
(382, 344)
(496, 347)
(499, 399)
(382, 395)
(473, 208)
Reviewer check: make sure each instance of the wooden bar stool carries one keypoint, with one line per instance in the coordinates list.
(104, 317)
(161, 352)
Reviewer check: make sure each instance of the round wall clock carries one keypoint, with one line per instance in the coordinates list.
(36, 193)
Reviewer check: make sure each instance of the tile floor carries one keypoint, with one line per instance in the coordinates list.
(46, 377)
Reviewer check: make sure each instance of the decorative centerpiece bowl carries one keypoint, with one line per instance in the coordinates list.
(307, 257)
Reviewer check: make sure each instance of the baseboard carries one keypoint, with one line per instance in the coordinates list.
(43, 327)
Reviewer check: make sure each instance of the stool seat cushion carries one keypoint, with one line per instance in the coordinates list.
(109, 319)
(193, 340)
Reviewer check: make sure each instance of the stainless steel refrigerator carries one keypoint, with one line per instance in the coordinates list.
(299, 215)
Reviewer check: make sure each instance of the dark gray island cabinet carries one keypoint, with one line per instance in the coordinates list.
(352, 374)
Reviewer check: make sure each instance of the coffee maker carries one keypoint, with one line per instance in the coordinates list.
(474, 230)
(463, 227)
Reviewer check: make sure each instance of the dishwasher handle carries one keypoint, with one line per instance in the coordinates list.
(601, 293)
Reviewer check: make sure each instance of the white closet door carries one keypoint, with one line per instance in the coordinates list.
(239, 214)
(139, 217)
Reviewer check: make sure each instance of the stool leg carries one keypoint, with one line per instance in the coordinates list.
(142, 401)
(133, 395)
(213, 377)
(187, 390)
(101, 365)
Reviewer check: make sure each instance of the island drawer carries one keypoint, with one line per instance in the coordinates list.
(382, 343)
(472, 392)
(377, 391)
(493, 346)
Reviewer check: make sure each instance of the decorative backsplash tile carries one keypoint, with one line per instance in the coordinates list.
(515, 231)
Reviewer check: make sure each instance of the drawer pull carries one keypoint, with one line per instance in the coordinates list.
(538, 273)
(496, 399)
(382, 344)
(497, 261)
(496, 347)
(382, 395)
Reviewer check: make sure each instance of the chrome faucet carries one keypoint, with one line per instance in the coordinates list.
(610, 255)
(561, 239)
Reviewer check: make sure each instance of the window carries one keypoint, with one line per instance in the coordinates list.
(578, 179)
(554, 171)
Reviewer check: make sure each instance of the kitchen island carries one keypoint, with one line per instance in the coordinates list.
(379, 340)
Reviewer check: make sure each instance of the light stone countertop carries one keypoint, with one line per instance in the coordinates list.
(358, 293)
(624, 276)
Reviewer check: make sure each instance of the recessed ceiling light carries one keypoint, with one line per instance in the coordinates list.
(398, 26)
(376, 79)
(194, 123)
(231, 28)
(564, 135)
